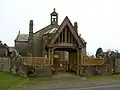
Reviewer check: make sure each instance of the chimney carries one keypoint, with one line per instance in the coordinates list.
(19, 33)
(31, 26)
(30, 39)
(76, 26)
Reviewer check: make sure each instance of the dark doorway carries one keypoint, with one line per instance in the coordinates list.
(63, 59)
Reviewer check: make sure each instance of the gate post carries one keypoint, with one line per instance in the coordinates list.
(10, 64)
(78, 63)
(49, 61)
(49, 56)
(52, 57)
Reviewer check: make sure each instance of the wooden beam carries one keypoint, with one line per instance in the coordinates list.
(68, 37)
(78, 69)
(65, 34)
(74, 42)
(59, 40)
(78, 57)
(62, 37)
(71, 38)
(49, 56)
(52, 57)
(81, 53)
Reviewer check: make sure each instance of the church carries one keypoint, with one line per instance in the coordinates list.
(57, 42)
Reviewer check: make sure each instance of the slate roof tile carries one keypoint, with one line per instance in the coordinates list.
(22, 37)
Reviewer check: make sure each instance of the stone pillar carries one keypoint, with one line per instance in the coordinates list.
(49, 59)
(11, 64)
(78, 63)
(52, 56)
(82, 61)
(49, 56)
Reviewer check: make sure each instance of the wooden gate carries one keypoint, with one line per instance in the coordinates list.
(60, 65)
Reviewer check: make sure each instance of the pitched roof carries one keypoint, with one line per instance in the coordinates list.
(47, 29)
(22, 37)
(53, 30)
(54, 13)
(83, 40)
(65, 22)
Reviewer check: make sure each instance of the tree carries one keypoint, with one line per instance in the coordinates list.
(118, 54)
(99, 52)
(112, 55)
(1, 44)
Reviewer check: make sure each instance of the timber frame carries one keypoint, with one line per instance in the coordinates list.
(67, 39)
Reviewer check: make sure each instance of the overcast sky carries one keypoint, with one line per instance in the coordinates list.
(98, 20)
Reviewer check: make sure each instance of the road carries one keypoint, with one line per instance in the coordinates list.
(74, 83)
(107, 87)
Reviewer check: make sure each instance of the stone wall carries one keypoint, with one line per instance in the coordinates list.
(105, 69)
(36, 71)
(21, 47)
(36, 65)
(117, 66)
(47, 71)
(4, 64)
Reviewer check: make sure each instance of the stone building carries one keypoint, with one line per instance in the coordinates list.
(61, 40)
(4, 52)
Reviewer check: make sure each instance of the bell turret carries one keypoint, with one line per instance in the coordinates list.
(54, 18)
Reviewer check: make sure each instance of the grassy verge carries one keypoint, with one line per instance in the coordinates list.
(10, 82)
(7, 80)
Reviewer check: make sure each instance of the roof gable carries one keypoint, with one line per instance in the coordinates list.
(67, 22)
(22, 37)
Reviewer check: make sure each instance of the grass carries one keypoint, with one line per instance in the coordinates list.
(10, 82)
(7, 80)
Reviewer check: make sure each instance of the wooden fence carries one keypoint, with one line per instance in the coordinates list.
(43, 61)
(35, 61)
(89, 61)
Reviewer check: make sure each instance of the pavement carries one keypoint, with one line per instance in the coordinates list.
(106, 87)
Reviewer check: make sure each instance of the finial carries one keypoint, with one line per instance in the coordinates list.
(54, 9)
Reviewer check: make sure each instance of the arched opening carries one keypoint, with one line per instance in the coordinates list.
(65, 59)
